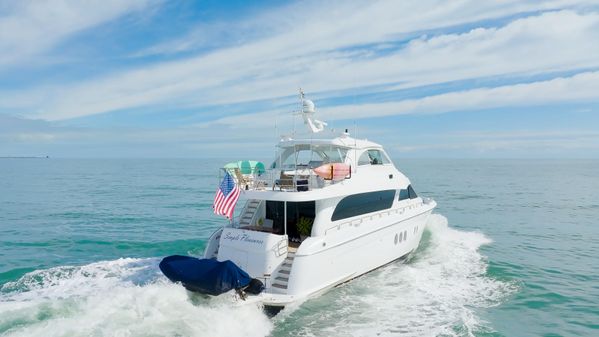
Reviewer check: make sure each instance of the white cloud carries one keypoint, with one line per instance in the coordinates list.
(580, 88)
(23, 137)
(314, 54)
(28, 28)
(551, 143)
(35, 137)
(525, 134)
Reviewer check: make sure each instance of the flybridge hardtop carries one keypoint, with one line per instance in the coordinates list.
(328, 209)
(342, 140)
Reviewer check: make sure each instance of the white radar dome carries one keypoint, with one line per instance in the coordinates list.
(308, 106)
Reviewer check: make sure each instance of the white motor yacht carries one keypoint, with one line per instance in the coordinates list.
(329, 209)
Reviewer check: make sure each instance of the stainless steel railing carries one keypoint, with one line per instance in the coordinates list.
(285, 180)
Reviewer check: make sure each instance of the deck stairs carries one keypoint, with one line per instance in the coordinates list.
(281, 279)
(249, 212)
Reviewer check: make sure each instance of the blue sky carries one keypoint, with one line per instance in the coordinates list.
(150, 78)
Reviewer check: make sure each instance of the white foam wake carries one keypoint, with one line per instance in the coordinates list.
(126, 297)
(439, 292)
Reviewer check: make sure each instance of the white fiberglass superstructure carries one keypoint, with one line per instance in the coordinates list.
(330, 208)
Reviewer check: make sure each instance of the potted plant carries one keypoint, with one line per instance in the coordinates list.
(304, 227)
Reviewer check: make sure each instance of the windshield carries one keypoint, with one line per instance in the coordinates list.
(309, 156)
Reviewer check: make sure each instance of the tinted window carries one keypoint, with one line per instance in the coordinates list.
(364, 159)
(363, 203)
(296, 211)
(305, 154)
(412, 193)
(275, 211)
(403, 194)
(373, 157)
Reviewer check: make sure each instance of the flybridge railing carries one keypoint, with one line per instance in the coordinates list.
(297, 179)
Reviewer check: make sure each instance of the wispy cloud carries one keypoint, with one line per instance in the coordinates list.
(29, 28)
(555, 143)
(578, 88)
(20, 136)
(324, 54)
(581, 87)
(223, 82)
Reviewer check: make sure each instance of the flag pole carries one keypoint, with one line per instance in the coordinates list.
(285, 217)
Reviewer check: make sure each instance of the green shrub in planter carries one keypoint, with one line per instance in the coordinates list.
(304, 226)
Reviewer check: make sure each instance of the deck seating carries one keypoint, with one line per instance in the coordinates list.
(284, 182)
(242, 180)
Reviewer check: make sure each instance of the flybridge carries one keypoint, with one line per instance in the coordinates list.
(298, 167)
(306, 163)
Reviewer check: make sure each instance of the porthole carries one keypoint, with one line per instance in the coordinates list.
(400, 237)
(405, 235)
(396, 238)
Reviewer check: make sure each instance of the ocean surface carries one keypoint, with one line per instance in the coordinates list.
(512, 250)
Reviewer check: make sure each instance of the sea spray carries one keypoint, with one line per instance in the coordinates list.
(438, 292)
(126, 297)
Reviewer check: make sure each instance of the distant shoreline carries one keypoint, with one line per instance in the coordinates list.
(25, 157)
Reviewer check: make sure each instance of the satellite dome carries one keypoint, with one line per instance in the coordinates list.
(308, 106)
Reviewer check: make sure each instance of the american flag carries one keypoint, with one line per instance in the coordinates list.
(226, 197)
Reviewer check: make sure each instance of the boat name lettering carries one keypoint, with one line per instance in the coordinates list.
(242, 237)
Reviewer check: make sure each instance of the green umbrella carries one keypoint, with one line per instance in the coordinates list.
(246, 166)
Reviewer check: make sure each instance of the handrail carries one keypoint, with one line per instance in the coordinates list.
(299, 179)
(238, 218)
(292, 180)
(240, 215)
(280, 248)
(358, 221)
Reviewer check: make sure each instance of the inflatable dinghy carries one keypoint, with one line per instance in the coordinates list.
(208, 276)
(333, 171)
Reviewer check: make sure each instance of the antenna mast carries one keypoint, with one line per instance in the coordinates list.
(301, 101)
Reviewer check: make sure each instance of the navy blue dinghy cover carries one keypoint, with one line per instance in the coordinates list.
(207, 276)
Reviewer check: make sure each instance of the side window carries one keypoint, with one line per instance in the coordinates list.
(412, 193)
(403, 194)
(363, 203)
(364, 159)
(373, 157)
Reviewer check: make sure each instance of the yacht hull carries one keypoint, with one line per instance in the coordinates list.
(395, 237)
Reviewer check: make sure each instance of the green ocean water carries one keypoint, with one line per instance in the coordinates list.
(511, 251)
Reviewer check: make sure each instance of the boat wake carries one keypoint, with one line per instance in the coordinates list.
(439, 291)
(125, 297)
